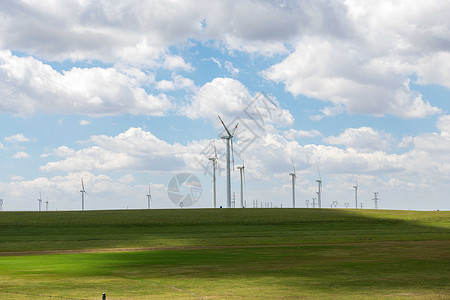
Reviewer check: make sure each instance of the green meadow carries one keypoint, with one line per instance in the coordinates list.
(225, 254)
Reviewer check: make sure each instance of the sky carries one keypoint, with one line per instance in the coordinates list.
(127, 95)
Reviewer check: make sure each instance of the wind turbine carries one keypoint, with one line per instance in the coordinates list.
(356, 193)
(1, 204)
(82, 191)
(229, 139)
(294, 175)
(149, 198)
(319, 193)
(214, 164)
(46, 204)
(242, 171)
(40, 201)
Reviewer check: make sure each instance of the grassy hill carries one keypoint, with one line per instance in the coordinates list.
(225, 254)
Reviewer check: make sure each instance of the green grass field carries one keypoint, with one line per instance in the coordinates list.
(225, 254)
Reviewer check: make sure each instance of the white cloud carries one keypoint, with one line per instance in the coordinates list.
(347, 76)
(31, 86)
(178, 83)
(84, 122)
(176, 62)
(21, 155)
(292, 134)
(139, 33)
(2, 147)
(229, 98)
(16, 139)
(165, 85)
(364, 139)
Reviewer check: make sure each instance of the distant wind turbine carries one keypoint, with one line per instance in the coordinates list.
(294, 175)
(40, 201)
(319, 193)
(82, 191)
(356, 193)
(214, 165)
(229, 138)
(149, 198)
(46, 204)
(1, 204)
(242, 172)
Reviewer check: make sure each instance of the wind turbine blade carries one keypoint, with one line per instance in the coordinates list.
(320, 177)
(229, 134)
(82, 184)
(243, 171)
(356, 180)
(293, 165)
(232, 153)
(235, 128)
(215, 150)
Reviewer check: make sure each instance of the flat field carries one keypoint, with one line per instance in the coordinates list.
(225, 254)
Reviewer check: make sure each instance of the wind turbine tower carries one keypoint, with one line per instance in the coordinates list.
(1, 204)
(319, 193)
(46, 205)
(293, 175)
(214, 165)
(229, 138)
(149, 198)
(40, 201)
(242, 172)
(375, 198)
(82, 191)
(356, 194)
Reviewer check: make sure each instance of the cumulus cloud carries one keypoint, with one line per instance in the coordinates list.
(30, 86)
(347, 76)
(16, 139)
(134, 149)
(364, 139)
(231, 99)
(21, 155)
(140, 33)
(292, 134)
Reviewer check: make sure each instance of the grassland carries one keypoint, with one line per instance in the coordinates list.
(225, 254)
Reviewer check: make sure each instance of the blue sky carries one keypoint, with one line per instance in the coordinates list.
(127, 95)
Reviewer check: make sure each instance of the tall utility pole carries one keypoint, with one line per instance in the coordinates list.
(375, 198)
(314, 202)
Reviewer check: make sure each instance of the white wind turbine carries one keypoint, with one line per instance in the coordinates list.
(294, 175)
(40, 201)
(229, 138)
(242, 172)
(149, 198)
(214, 165)
(356, 193)
(82, 191)
(319, 193)
(46, 204)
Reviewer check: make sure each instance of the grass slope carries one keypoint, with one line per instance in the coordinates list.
(243, 253)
